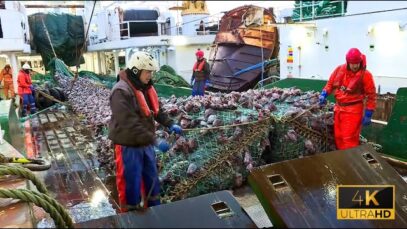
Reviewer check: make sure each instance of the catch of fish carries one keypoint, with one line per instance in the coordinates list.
(300, 127)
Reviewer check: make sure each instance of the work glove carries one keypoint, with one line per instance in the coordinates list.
(175, 128)
(322, 97)
(162, 145)
(192, 82)
(367, 119)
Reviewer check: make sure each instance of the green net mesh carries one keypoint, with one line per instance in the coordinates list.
(107, 81)
(216, 157)
(168, 76)
(284, 137)
(41, 79)
(66, 33)
(58, 66)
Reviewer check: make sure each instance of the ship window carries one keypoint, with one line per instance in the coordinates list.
(139, 29)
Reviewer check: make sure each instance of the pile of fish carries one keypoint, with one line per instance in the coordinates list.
(211, 121)
(91, 101)
(204, 119)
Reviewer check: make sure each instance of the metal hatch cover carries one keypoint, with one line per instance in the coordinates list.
(302, 192)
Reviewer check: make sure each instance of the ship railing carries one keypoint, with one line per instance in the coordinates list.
(205, 30)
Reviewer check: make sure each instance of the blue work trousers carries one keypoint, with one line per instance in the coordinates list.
(28, 100)
(135, 165)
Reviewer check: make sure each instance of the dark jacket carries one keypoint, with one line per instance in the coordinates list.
(202, 75)
(128, 126)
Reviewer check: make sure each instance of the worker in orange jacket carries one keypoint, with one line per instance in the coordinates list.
(353, 87)
(24, 89)
(7, 75)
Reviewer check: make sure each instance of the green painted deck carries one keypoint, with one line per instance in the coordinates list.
(168, 90)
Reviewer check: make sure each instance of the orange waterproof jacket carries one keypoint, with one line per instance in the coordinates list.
(351, 89)
(24, 83)
(6, 76)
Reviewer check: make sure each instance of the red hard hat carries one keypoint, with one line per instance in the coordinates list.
(199, 53)
(354, 56)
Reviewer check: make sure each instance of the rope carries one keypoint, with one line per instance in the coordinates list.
(83, 47)
(223, 127)
(56, 211)
(49, 38)
(23, 119)
(23, 173)
(51, 98)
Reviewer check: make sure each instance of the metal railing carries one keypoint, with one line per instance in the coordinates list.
(205, 31)
(314, 5)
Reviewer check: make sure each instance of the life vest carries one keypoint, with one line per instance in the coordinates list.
(141, 100)
(199, 65)
(348, 82)
(198, 70)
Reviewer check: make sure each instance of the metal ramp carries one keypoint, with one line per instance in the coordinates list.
(74, 178)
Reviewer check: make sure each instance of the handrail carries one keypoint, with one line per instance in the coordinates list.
(140, 21)
(266, 79)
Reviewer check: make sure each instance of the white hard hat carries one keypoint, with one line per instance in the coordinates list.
(26, 66)
(143, 61)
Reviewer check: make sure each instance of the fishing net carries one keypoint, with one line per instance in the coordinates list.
(214, 164)
(41, 79)
(66, 33)
(220, 156)
(107, 81)
(224, 137)
(167, 75)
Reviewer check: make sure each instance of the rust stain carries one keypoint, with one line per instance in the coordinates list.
(244, 39)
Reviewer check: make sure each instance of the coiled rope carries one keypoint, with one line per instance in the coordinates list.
(23, 173)
(58, 213)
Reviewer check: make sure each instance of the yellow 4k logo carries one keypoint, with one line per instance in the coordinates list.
(369, 198)
(365, 202)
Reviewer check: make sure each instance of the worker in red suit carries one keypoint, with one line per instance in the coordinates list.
(25, 89)
(355, 95)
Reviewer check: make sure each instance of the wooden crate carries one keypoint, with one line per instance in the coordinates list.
(214, 210)
(302, 192)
